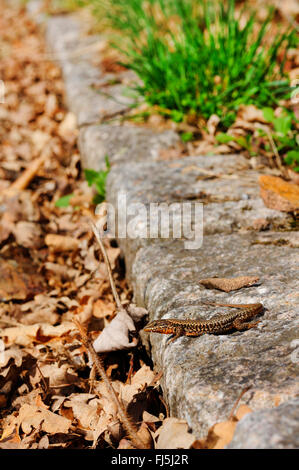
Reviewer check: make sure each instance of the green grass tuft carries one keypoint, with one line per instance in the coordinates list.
(196, 57)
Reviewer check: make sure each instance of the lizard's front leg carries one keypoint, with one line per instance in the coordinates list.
(177, 332)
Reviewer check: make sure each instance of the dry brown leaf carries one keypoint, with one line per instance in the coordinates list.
(10, 438)
(113, 254)
(25, 113)
(34, 417)
(145, 435)
(65, 223)
(84, 312)
(90, 261)
(82, 280)
(173, 434)
(212, 124)
(278, 194)
(229, 284)
(204, 147)
(58, 375)
(43, 309)
(149, 418)
(250, 113)
(242, 411)
(105, 423)
(39, 140)
(6, 227)
(108, 405)
(136, 312)
(289, 7)
(125, 444)
(62, 270)
(156, 120)
(115, 429)
(81, 200)
(223, 149)
(221, 434)
(102, 309)
(28, 234)
(51, 105)
(40, 332)
(14, 353)
(62, 242)
(294, 74)
(144, 376)
(44, 443)
(115, 335)
(20, 207)
(31, 398)
(224, 433)
(172, 153)
(10, 444)
(68, 127)
(86, 409)
(18, 280)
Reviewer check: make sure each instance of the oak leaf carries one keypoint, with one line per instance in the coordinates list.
(229, 284)
(173, 434)
(278, 194)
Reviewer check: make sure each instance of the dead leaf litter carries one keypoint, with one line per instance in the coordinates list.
(52, 271)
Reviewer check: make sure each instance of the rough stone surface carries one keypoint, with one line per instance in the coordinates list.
(225, 185)
(202, 377)
(122, 144)
(276, 428)
(279, 238)
(75, 53)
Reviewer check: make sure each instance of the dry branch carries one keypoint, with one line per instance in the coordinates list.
(125, 419)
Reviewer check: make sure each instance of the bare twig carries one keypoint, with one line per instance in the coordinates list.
(107, 262)
(46, 387)
(125, 419)
(129, 426)
(25, 178)
(231, 415)
(275, 151)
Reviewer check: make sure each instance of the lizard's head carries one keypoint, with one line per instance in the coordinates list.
(159, 326)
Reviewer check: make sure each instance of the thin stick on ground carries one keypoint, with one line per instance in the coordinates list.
(231, 415)
(25, 178)
(276, 154)
(125, 419)
(46, 387)
(107, 262)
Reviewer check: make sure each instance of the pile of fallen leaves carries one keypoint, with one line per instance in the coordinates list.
(50, 268)
(52, 272)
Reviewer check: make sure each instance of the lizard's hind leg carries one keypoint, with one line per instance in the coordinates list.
(242, 325)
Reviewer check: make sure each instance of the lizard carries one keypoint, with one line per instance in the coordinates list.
(217, 325)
